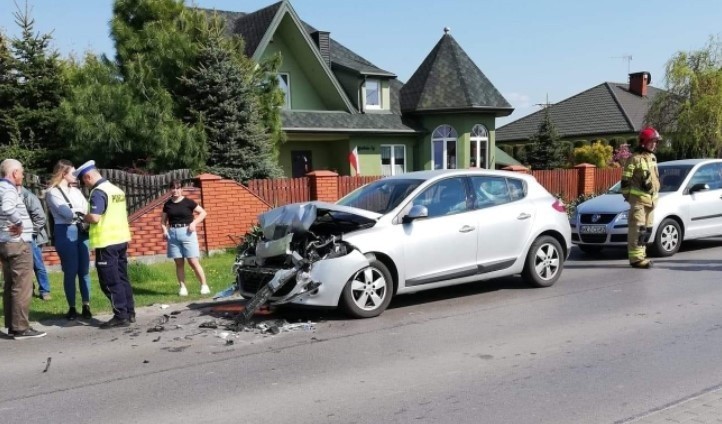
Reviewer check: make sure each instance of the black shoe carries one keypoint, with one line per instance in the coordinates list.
(131, 318)
(115, 322)
(86, 312)
(643, 264)
(30, 333)
(72, 314)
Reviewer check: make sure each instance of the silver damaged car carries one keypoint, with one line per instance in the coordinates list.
(406, 233)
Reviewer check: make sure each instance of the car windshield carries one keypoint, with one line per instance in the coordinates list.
(670, 178)
(380, 196)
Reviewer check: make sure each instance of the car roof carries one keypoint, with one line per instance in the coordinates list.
(687, 162)
(438, 173)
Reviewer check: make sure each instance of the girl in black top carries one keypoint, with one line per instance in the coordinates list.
(179, 229)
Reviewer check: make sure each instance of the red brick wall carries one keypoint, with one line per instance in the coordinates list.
(232, 210)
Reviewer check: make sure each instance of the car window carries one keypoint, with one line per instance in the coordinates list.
(517, 188)
(446, 197)
(380, 196)
(491, 191)
(706, 174)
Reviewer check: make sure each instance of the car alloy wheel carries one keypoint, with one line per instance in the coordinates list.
(668, 238)
(544, 262)
(369, 291)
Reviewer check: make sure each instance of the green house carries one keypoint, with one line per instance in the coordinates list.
(339, 106)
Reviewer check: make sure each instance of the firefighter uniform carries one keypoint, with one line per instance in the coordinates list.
(640, 187)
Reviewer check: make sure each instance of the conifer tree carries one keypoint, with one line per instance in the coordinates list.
(220, 92)
(546, 151)
(31, 89)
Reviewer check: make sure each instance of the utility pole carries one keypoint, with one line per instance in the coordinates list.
(544, 105)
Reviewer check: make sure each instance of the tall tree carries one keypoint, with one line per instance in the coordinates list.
(689, 113)
(31, 89)
(118, 125)
(221, 93)
(157, 40)
(546, 151)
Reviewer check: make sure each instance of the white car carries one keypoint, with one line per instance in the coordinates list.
(406, 233)
(689, 207)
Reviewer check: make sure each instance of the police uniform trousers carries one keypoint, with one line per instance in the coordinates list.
(639, 215)
(111, 263)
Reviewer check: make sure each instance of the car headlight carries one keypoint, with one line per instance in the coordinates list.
(622, 216)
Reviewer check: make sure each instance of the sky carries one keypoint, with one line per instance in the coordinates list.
(533, 51)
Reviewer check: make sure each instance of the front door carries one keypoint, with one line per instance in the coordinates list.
(442, 246)
(301, 163)
(705, 207)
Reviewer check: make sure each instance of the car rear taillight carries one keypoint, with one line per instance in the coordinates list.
(558, 205)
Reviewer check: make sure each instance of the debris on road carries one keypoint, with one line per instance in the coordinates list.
(47, 364)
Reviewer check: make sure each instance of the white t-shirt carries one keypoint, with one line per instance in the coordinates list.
(62, 212)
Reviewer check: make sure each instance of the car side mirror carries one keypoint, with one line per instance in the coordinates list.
(698, 187)
(416, 212)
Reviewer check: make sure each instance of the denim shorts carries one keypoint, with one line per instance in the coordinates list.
(182, 244)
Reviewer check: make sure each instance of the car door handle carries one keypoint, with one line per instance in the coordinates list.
(523, 215)
(466, 229)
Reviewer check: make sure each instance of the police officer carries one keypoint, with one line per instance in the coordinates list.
(109, 235)
(640, 187)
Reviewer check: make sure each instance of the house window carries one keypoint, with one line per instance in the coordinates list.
(373, 94)
(393, 159)
(443, 147)
(284, 83)
(479, 147)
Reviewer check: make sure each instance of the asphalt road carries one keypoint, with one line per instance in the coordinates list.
(606, 344)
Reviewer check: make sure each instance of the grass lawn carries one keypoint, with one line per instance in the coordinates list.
(152, 283)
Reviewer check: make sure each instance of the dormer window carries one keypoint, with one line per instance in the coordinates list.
(373, 94)
(284, 83)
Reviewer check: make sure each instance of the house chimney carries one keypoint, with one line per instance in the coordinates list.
(638, 83)
(323, 42)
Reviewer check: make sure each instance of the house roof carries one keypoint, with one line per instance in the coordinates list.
(448, 80)
(331, 121)
(253, 26)
(608, 108)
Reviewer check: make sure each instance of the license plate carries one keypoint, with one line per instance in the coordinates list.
(593, 229)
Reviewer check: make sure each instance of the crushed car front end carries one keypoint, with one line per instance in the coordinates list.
(302, 254)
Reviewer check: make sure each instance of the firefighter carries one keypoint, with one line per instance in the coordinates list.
(640, 187)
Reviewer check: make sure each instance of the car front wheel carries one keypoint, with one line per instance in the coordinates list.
(544, 262)
(368, 293)
(668, 238)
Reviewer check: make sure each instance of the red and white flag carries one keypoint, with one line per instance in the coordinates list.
(353, 160)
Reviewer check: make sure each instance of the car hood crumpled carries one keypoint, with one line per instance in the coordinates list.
(298, 217)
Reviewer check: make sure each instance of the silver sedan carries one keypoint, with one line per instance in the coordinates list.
(407, 233)
(689, 207)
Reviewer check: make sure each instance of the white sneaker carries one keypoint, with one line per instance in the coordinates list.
(205, 289)
(183, 291)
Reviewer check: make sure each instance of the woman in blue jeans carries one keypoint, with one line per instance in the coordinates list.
(67, 205)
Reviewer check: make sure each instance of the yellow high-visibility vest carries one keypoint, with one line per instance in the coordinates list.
(113, 226)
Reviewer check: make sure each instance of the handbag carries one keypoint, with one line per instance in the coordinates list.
(83, 226)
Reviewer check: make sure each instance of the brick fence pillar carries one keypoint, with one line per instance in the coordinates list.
(324, 185)
(210, 189)
(586, 178)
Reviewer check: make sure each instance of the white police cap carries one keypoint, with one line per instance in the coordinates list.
(82, 169)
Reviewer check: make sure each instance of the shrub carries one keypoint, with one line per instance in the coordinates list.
(597, 154)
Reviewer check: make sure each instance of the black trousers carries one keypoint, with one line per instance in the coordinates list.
(112, 265)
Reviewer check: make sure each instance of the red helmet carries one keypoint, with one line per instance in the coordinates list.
(649, 134)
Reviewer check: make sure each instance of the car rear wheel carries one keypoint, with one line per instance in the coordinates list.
(668, 238)
(544, 262)
(368, 293)
(589, 249)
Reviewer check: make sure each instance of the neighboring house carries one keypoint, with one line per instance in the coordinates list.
(337, 102)
(606, 111)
